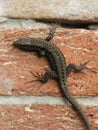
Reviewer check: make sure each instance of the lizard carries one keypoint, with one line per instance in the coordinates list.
(59, 71)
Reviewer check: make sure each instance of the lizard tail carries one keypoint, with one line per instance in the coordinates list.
(76, 107)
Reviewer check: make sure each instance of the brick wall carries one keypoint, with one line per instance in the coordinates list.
(36, 106)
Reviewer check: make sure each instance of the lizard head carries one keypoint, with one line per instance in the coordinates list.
(22, 42)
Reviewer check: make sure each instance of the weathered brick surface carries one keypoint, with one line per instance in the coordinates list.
(80, 11)
(42, 117)
(78, 46)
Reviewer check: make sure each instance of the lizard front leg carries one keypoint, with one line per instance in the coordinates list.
(52, 31)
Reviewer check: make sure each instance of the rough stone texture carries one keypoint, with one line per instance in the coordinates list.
(50, 100)
(78, 46)
(21, 23)
(93, 27)
(42, 117)
(66, 11)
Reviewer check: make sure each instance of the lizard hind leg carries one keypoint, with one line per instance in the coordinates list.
(35, 75)
(35, 80)
(71, 67)
(44, 77)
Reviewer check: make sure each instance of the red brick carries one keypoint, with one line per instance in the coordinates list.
(51, 117)
(78, 46)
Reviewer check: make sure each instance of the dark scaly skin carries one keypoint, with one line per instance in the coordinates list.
(58, 66)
